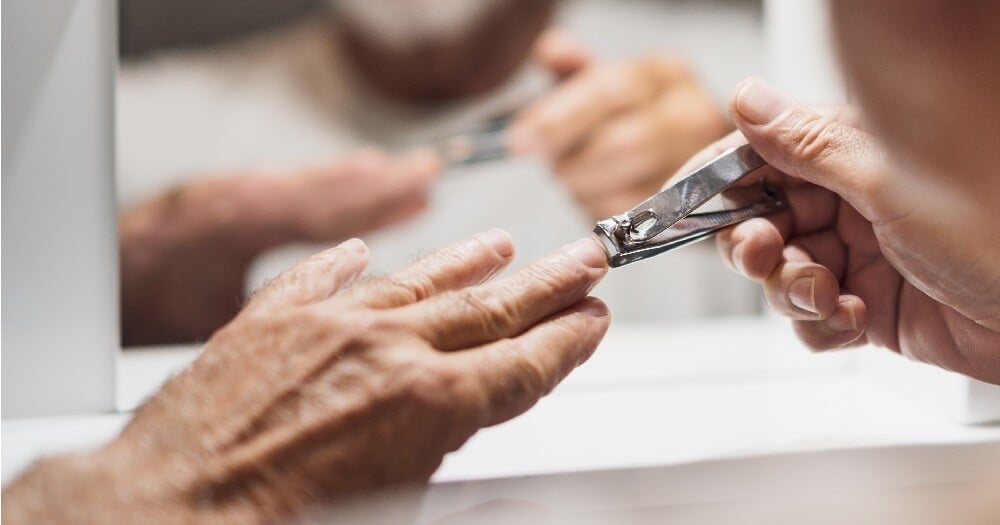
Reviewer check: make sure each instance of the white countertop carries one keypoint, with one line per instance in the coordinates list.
(651, 396)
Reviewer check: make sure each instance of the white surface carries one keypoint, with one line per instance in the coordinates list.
(649, 396)
(800, 57)
(911, 485)
(952, 395)
(59, 235)
(668, 395)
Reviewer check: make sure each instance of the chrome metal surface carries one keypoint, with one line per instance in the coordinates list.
(481, 143)
(667, 221)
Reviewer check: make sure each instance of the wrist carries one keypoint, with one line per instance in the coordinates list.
(93, 487)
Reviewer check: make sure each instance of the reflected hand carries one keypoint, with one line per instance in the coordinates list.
(869, 253)
(615, 132)
(326, 385)
(185, 254)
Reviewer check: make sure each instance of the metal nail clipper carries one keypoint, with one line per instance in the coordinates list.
(668, 220)
(480, 143)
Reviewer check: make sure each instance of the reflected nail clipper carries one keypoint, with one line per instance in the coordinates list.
(482, 142)
(667, 220)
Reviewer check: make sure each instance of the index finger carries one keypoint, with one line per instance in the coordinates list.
(507, 307)
(515, 373)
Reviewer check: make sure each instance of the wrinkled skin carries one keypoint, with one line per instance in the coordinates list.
(614, 132)
(185, 254)
(326, 385)
(894, 233)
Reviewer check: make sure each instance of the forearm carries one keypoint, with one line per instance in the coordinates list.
(206, 231)
(84, 488)
(238, 214)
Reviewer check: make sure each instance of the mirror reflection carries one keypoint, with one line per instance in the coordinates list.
(252, 134)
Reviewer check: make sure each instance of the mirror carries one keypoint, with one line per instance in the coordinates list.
(240, 122)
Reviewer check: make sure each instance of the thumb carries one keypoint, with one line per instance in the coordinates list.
(561, 54)
(816, 148)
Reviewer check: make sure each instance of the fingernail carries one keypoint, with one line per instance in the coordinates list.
(521, 140)
(738, 259)
(588, 252)
(354, 245)
(594, 308)
(759, 103)
(423, 160)
(499, 240)
(843, 318)
(802, 294)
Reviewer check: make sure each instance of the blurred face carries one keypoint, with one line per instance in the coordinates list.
(404, 24)
(926, 73)
(439, 50)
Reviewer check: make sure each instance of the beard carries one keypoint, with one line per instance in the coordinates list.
(404, 24)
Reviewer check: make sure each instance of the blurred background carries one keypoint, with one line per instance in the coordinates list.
(234, 87)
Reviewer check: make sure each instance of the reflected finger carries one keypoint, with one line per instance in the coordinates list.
(561, 120)
(619, 155)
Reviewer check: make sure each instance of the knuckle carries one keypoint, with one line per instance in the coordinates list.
(369, 161)
(413, 287)
(558, 274)
(358, 329)
(615, 86)
(491, 313)
(530, 379)
(626, 140)
(371, 323)
(566, 169)
(435, 385)
(663, 68)
(810, 139)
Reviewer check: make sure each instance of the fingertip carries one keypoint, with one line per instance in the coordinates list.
(423, 163)
(758, 103)
(561, 53)
(354, 245)
(843, 328)
(756, 248)
(589, 252)
(814, 293)
(594, 307)
(735, 95)
(736, 257)
(521, 139)
(724, 245)
(849, 315)
(802, 290)
(827, 293)
(499, 240)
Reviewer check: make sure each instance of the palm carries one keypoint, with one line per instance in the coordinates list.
(868, 261)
